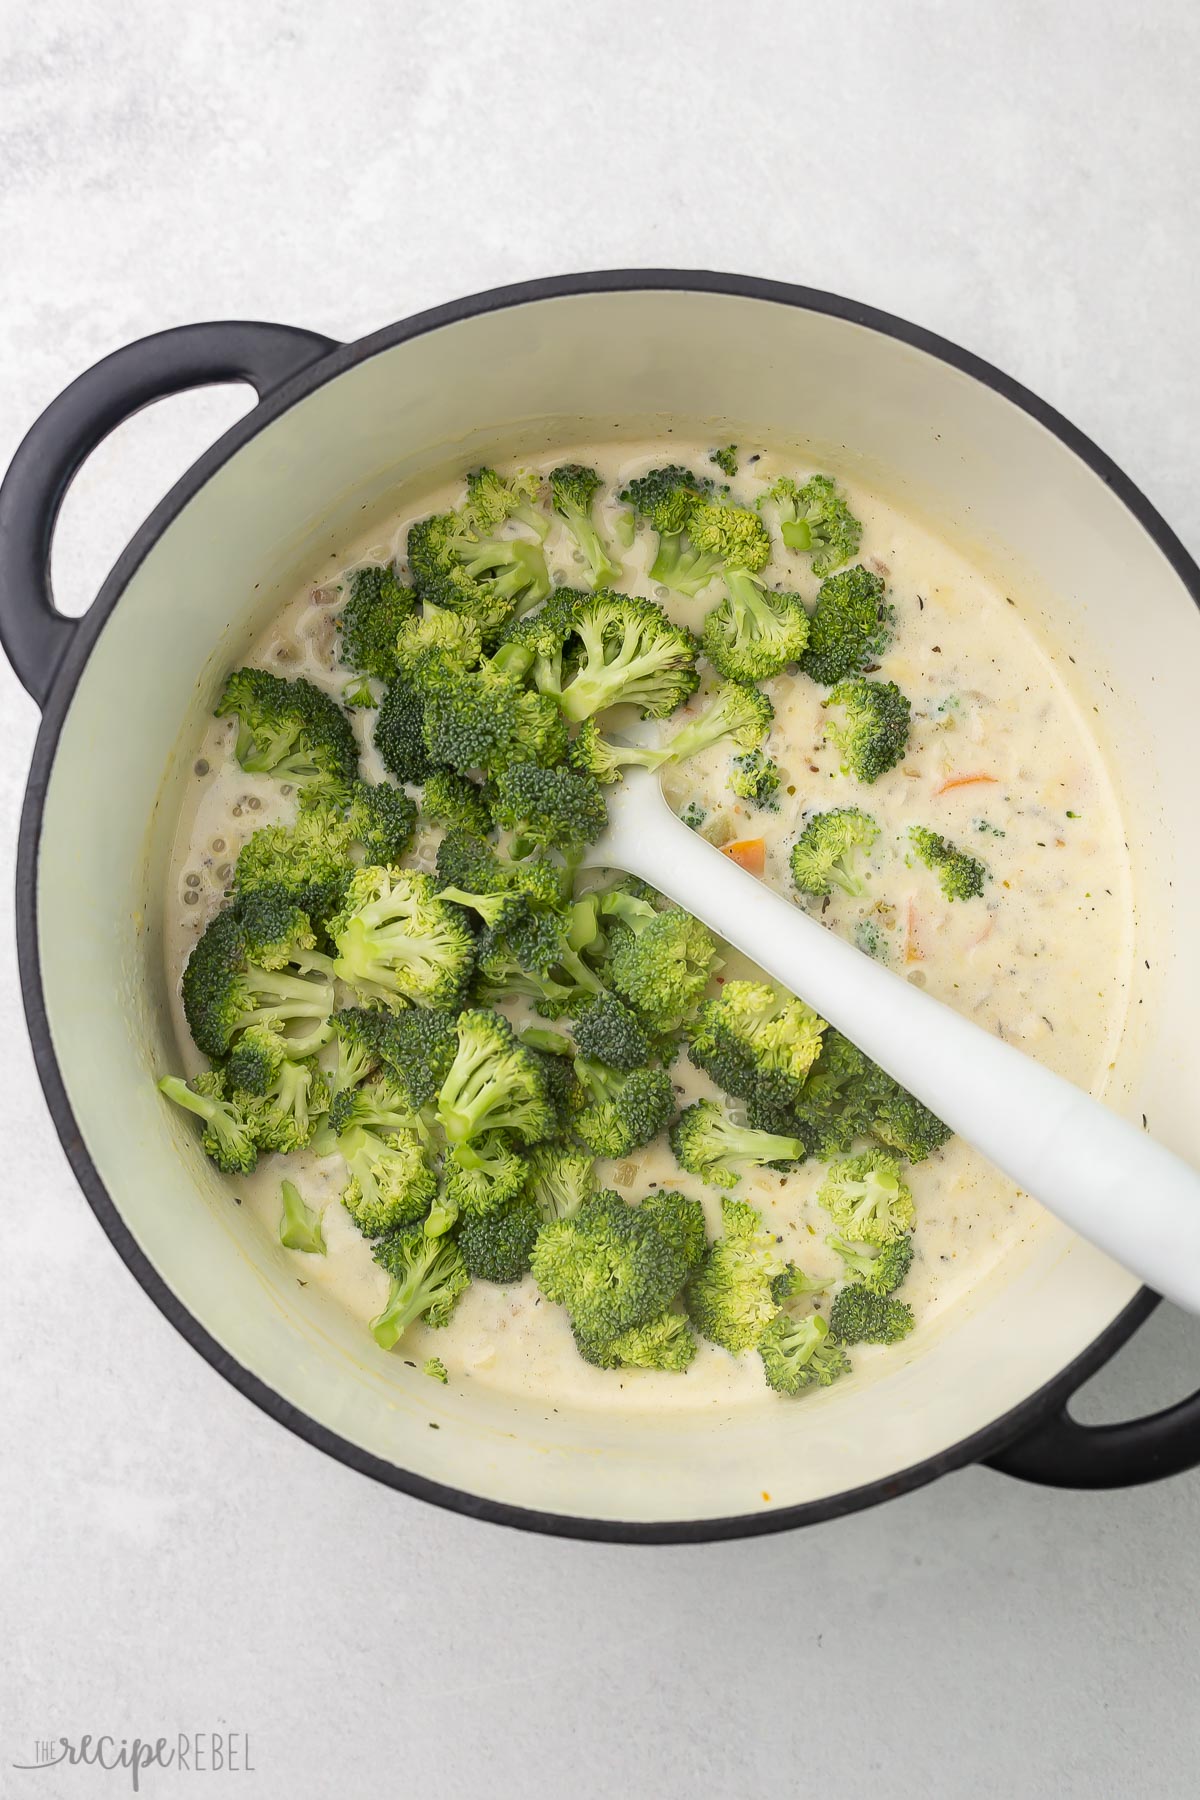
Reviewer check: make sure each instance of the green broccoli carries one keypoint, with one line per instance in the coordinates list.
(275, 930)
(256, 1059)
(369, 623)
(292, 730)
(755, 631)
(413, 1049)
(391, 1184)
(486, 720)
(756, 1042)
(284, 1118)
(708, 1144)
(497, 1245)
(428, 1278)
(624, 1111)
(815, 517)
(667, 498)
(666, 1343)
(874, 734)
(868, 1197)
(680, 1221)
(493, 1084)
(486, 578)
(726, 459)
(823, 856)
(308, 862)
(797, 1354)
(606, 1031)
(484, 1174)
(661, 966)
(608, 1266)
(792, 1282)
(573, 490)
(359, 693)
(300, 1224)
(738, 711)
(227, 1138)
(879, 1270)
(629, 653)
(400, 733)
(851, 626)
(533, 646)
(458, 804)
(435, 1368)
(960, 877)
(859, 1316)
(558, 1180)
(755, 777)
(729, 1295)
(225, 992)
(904, 1124)
(381, 820)
(492, 499)
(397, 941)
(549, 809)
(436, 642)
(719, 538)
(607, 759)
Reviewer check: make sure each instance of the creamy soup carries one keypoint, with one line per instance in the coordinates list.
(1041, 958)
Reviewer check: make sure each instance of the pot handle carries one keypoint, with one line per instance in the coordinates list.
(1060, 1452)
(35, 636)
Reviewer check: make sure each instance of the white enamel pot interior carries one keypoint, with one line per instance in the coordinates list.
(505, 375)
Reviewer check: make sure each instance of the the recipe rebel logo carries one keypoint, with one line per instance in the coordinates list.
(195, 1753)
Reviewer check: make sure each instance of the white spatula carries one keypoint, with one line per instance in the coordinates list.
(1102, 1176)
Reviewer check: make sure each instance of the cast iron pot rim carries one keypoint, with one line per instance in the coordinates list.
(990, 1438)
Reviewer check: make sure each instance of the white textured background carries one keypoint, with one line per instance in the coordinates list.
(1020, 177)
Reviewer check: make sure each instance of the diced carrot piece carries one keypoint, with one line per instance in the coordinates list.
(912, 944)
(748, 853)
(957, 781)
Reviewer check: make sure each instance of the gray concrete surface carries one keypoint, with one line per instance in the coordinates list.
(1021, 178)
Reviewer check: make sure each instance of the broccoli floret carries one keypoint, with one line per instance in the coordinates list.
(679, 1220)
(573, 489)
(436, 642)
(607, 1032)
(755, 631)
(276, 931)
(726, 459)
(709, 1145)
(533, 646)
(369, 623)
(428, 1277)
(851, 626)
(549, 809)
(960, 877)
(606, 759)
(391, 1184)
(667, 498)
(435, 1368)
(359, 693)
(874, 734)
(225, 993)
(400, 733)
(823, 856)
(870, 940)
(755, 777)
(904, 1124)
(629, 653)
(397, 941)
(497, 1245)
(486, 720)
(859, 1316)
(868, 1198)
(738, 711)
(493, 1084)
(484, 1174)
(458, 804)
(815, 517)
(661, 964)
(792, 1282)
(493, 498)
(299, 1223)
(879, 1270)
(255, 1060)
(227, 1137)
(413, 1048)
(306, 861)
(729, 1295)
(292, 730)
(285, 1117)
(756, 1043)
(719, 536)
(624, 1111)
(667, 1343)
(608, 1266)
(558, 1180)
(487, 578)
(797, 1354)
(381, 820)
